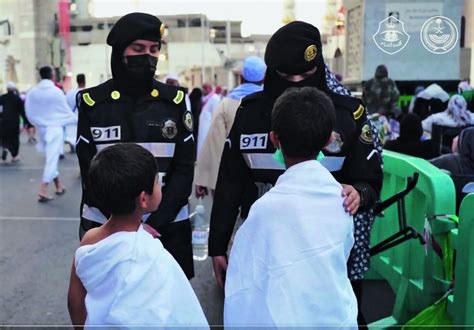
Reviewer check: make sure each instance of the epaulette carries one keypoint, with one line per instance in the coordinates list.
(348, 103)
(169, 93)
(90, 96)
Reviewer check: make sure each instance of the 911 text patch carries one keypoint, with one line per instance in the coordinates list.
(253, 141)
(103, 134)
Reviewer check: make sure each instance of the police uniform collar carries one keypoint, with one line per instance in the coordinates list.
(169, 93)
(157, 91)
(99, 93)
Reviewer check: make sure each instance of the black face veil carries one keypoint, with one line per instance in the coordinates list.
(134, 74)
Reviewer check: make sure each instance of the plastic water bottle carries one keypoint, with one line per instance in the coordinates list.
(200, 232)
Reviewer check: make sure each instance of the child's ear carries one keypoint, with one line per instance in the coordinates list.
(143, 200)
(274, 139)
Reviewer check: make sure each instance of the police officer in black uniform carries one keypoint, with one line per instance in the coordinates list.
(248, 169)
(134, 107)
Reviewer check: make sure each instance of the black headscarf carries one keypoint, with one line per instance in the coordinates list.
(294, 49)
(135, 77)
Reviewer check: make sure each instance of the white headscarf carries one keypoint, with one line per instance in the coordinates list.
(457, 108)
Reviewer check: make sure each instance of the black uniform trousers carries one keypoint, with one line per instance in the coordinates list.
(176, 238)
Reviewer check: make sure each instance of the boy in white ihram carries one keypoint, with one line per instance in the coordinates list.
(121, 275)
(287, 266)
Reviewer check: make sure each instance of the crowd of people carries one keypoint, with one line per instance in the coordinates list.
(430, 128)
(288, 155)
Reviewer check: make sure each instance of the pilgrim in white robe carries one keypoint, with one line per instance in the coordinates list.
(287, 266)
(209, 105)
(132, 280)
(47, 110)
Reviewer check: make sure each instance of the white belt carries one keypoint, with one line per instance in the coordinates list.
(262, 161)
(265, 161)
(183, 214)
(158, 149)
(94, 214)
(332, 163)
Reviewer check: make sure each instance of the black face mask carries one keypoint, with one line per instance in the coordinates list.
(140, 67)
(275, 85)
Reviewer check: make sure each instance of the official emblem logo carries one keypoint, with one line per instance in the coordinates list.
(310, 53)
(391, 36)
(366, 134)
(188, 121)
(169, 129)
(336, 143)
(439, 35)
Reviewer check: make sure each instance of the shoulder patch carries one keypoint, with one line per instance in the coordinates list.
(179, 97)
(359, 112)
(88, 99)
(366, 134)
(188, 121)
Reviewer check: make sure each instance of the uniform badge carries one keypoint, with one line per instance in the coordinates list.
(310, 53)
(188, 121)
(115, 95)
(155, 93)
(88, 99)
(162, 29)
(336, 143)
(179, 97)
(366, 134)
(169, 129)
(359, 112)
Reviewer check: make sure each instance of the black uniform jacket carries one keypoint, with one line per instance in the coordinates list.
(248, 169)
(158, 121)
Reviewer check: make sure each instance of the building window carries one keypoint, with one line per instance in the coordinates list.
(195, 22)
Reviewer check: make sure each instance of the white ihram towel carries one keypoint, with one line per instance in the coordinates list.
(131, 280)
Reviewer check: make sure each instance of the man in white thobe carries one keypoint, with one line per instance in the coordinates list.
(47, 109)
(210, 101)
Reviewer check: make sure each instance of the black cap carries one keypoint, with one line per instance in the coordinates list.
(135, 26)
(294, 49)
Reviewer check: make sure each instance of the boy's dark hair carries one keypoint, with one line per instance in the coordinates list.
(303, 119)
(118, 174)
(46, 72)
(81, 79)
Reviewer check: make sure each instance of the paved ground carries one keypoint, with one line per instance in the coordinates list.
(37, 243)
